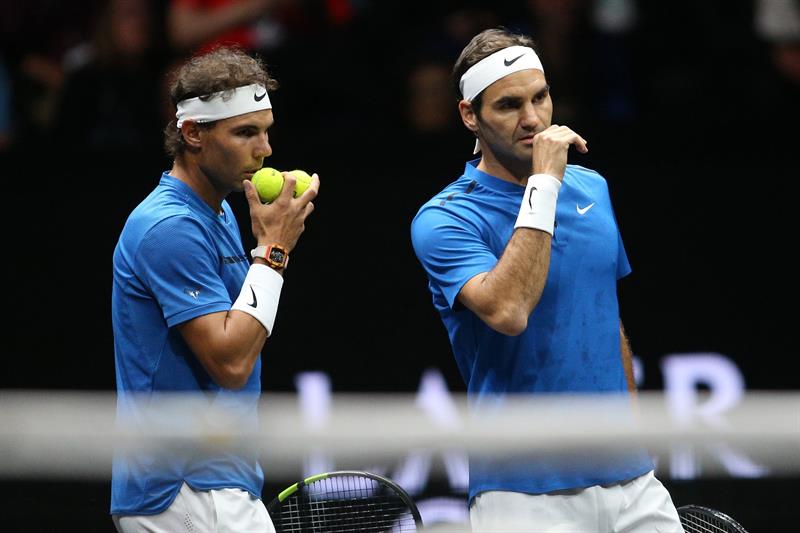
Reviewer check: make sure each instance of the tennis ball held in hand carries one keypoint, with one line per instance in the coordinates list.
(302, 183)
(269, 183)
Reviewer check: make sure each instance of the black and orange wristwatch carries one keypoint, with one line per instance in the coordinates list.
(275, 255)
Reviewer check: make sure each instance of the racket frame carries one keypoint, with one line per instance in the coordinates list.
(276, 503)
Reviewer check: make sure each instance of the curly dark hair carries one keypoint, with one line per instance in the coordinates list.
(222, 69)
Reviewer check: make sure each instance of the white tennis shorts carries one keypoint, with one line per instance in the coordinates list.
(203, 511)
(641, 505)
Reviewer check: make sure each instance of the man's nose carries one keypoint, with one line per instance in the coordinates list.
(529, 118)
(263, 149)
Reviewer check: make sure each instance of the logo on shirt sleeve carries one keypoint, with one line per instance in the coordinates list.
(194, 293)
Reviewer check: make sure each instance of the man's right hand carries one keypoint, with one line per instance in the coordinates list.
(282, 221)
(550, 149)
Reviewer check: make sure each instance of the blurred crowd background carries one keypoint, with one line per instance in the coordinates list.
(690, 108)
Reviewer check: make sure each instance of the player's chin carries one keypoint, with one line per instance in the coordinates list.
(523, 151)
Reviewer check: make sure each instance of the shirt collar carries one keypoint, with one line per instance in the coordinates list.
(487, 180)
(191, 197)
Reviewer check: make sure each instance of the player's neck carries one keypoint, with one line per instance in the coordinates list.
(196, 179)
(490, 165)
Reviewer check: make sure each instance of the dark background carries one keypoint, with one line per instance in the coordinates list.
(690, 112)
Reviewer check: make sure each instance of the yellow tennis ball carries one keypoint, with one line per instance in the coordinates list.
(303, 181)
(268, 182)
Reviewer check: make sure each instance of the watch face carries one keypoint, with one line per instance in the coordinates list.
(277, 256)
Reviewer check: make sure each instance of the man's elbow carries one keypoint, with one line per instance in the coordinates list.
(508, 321)
(231, 376)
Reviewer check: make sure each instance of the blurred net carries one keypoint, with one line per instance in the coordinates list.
(62, 434)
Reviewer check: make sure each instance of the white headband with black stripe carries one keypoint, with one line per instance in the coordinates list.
(498, 65)
(224, 104)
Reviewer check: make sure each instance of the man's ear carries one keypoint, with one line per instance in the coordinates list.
(468, 116)
(191, 134)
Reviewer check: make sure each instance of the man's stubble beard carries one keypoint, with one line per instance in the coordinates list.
(519, 167)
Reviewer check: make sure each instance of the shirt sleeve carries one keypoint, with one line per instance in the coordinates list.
(450, 249)
(179, 264)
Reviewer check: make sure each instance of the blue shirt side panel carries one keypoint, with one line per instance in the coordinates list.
(175, 260)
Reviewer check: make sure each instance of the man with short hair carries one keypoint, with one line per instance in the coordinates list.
(523, 255)
(190, 312)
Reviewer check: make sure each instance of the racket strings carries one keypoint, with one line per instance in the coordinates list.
(326, 517)
(337, 515)
(697, 523)
(346, 504)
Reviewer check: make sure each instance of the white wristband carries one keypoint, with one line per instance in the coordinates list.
(260, 294)
(538, 207)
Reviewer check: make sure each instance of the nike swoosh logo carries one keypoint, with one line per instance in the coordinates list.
(530, 198)
(582, 210)
(259, 98)
(255, 300)
(508, 63)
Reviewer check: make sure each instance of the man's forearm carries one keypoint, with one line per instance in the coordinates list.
(227, 344)
(505, 296)
(627, 359)
(521, 272)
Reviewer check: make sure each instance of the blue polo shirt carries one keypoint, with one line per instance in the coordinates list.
(572, 342)
(176, 260)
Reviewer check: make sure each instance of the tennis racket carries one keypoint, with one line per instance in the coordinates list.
(344, 501)
(696, 519)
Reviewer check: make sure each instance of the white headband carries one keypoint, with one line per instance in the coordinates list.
(224, 104)
(498, 65)
(493, 67)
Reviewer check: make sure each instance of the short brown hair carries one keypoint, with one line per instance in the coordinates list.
(222, 69)
(482, 46)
